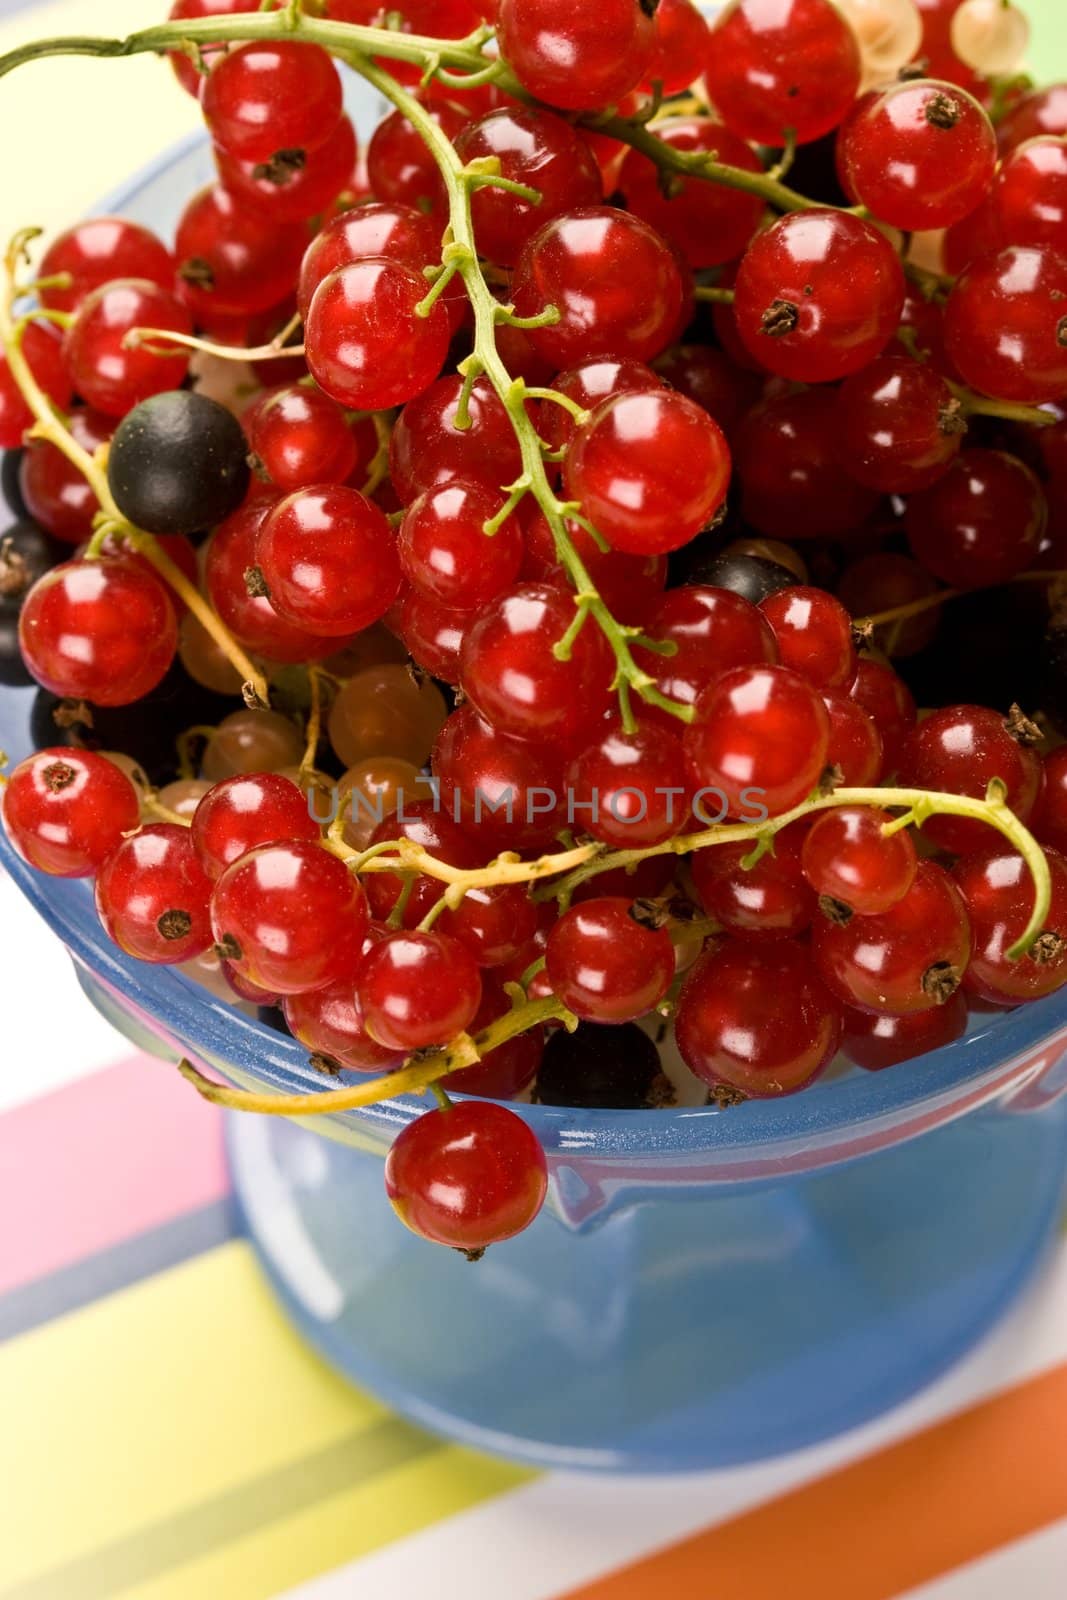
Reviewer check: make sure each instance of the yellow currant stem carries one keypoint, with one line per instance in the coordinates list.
(714, 296)
(417, 1074)
(980, 405)
(156, 340)
(314, 722)
(928, 602)
(164, 813)
(415, 860)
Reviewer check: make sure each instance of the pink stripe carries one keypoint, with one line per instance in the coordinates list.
(101, 1160)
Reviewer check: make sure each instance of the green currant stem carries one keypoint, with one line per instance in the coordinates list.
(580, 415)
(223, 352)
(716, 296)
(414, 1077)
(928, 602)
(980, 405)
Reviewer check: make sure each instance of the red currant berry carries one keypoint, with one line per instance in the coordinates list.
(431, 634)
(329, 560)
(979, 234)
(238, 591)
(998, 891)
(756, 1018)
(759, 740)
(818, 295)
(509, 669)
(424, 824)
(65, 810)
(399, 164)
(1006, 326)
(152, 896)
(708, 223)
(397, 232)
(1031, 195)
(186, 72)
(793, 485)
(630, 586)
(848, 859)
(875, 1042)
(918, 155)
(56, 493)
(960, 750)
(43, 349)
(1043, 112)
(910, 958)
(367, 346)
(607, 962)
(417, 990)
(769, 900)
(650, 469)
(887, 700)
(1049, 821)
(614, 281)
(505, 1072)
(102, 630)
(231, 260)
(98, 251)
(981, 524)
(681, 47)
(534, 148)
(710, 379)
(576, 58)
(899, 425)
(855, 746)
(467, 1177)
(112, 373)
(712, 630)
(298, 437)
(329, 1022)
(937, 52)
(272, 95)
(506, 794)
(629, 789)
(292, 185)
(587, 385)
(813, 632)
(494, 925)
(289, 917)
(445, 552)
(427, 448)
(780, 66)
(241, 813)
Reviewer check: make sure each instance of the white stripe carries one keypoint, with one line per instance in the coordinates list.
(1033, 1569)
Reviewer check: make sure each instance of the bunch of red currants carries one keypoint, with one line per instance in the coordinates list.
(480, 587)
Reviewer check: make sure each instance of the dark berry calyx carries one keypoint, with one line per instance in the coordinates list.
(1048, 947)
(1061, 331)
(943, 111)
(281, 168)
(58, 775)
(256, 583)
(950, 418)
(1022, 728)
(648, 914)
(72, 714)
(780, 318)
(198, 272)
(724, 1095)
(324, 1064)
(940, 982)
(174, 924)
(835, 910)
(14, 573)
(227, 948)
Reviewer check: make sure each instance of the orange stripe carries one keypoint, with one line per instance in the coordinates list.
(883, 1525)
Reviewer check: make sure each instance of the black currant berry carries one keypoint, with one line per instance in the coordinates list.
(754, 578)
(178, 463)
(9, 481)
(26, 553)
(610, 1068)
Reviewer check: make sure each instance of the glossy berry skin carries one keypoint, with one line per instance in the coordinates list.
(998, 891)
(910, 958)
(899, 425)
(432, 828)
(271, 95)
(292, 186)
(57, 496)
(813, 632)
(650, 469)
(505, 793)
(102, 631)
(427, 448)
(818, 295)
(329, 1022)
(431, 633)
(365, 344)
(711, 379)
(918, 155)
(43, 349)
(770, 900)
(888, 702)
(629, 789)
(1006, 326)
(847, 858)
(1042, 112)
(108, 373)
(65, 810)
(575, 57)
(298, 436)
(328, 557)
(614, 280)
(588, 384)
(772, 66)
(99, 250)
(875, 1042)
(505, 1072)
(535, 148)
(707, 222)
(445, 553)
(289, 917)
(1030, 195)
(417, 989)
(855, 745)
(389, 229)
(793, 483)
(400, 166)
(509, 671)
(981, 524)
(759, 740)
(681, 46)
(232, 261)
(605, 964)
(493, 924)
(714, 630)
(191, 80)
(629, 585)
(241, 813)
(178, 463)
(231, 554)
(152, 896)
(467, 1177)
(1049, 821)
(960, 750)
(757, 1018)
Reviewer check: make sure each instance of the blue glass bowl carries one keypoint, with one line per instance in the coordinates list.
(704, 1287)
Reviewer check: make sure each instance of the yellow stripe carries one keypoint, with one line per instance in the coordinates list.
(137, 1415)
